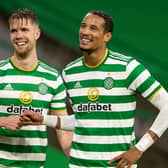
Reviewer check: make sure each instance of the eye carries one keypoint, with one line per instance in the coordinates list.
(93, 27)
(24, 29)
(83, 25)
(13, 30)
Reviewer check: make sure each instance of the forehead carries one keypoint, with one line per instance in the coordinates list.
(21, 22)
(93, 20)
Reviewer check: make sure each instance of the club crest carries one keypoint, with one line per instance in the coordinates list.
(108, 83)
(43, 88)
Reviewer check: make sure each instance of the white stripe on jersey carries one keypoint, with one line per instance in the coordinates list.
(98, 123)
(1, 166)
(94, 155)
(74, 166)
(131, 66)
(41, 69)
(154, 86)
(29, 80)
(22, 156)
(114, 61)
(102, 139)
(91, 76)
(75, 65)
(21, 141)
(16, 95)
(57, 105)
(139, 80)
(4, 108)
(102, 91)
(59, 96)
(7, 66)
(34, 127)
(118, 107)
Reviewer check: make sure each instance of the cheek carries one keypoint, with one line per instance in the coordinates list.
(11, 37)
(99, 40)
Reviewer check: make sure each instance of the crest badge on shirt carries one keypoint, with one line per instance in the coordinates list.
(108, 83)
(43, 88)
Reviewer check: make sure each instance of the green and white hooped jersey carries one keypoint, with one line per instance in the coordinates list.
(39, 90)
(104, 103)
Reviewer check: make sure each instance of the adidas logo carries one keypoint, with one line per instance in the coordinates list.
(8, 87)
(77, 85)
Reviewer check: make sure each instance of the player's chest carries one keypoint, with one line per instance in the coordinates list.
(25, 89)
(96, 84)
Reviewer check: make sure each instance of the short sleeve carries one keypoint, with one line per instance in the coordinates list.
(140, 80)
(58, 100)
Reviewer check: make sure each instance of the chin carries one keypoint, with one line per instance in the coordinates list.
(86, 49)
(22, 54)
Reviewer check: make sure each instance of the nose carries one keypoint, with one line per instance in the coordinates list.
(84, 30)
(19, 34)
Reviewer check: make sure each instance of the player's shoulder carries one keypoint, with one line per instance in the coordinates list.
(120, 57)
(4, 62)
(47, 68)
(75, 63)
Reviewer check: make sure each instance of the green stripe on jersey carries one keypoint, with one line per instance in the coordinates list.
(103, 131)
(22, 148)
(95, 83)
(106, 99)
(26, 87)
(101, 147)
(23, 133)
(107, 68)
(154, 91)
(34, 103)
(22, 163)
(105, 115)
(134, 74)
(14, 72)
(145, 85)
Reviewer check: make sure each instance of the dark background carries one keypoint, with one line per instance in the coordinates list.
(140, 30)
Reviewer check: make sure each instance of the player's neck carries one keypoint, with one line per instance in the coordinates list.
(95, 58)
(25, 62)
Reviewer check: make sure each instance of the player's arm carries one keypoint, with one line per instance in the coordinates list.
(158, 127)
(64, 136)
(62, 122)
(140, 80)
(11, 122)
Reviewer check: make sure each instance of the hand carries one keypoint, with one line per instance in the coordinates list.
(128, 158)
(11, 122)
(31, 118)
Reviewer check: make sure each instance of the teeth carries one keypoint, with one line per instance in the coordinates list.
(87, 40)
(20, 43)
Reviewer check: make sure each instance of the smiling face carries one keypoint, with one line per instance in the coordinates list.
(92, 35)
(23, 35)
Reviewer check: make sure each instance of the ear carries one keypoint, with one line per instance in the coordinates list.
(107, 37)
(37, 33)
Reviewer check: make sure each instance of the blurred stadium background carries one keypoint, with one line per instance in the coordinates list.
(141, 30)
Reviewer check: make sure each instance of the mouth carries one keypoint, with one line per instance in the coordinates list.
(86, 40)
(21, 43)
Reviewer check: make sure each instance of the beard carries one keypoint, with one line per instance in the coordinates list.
(88, 50)
(25, 52)
(22, 54)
